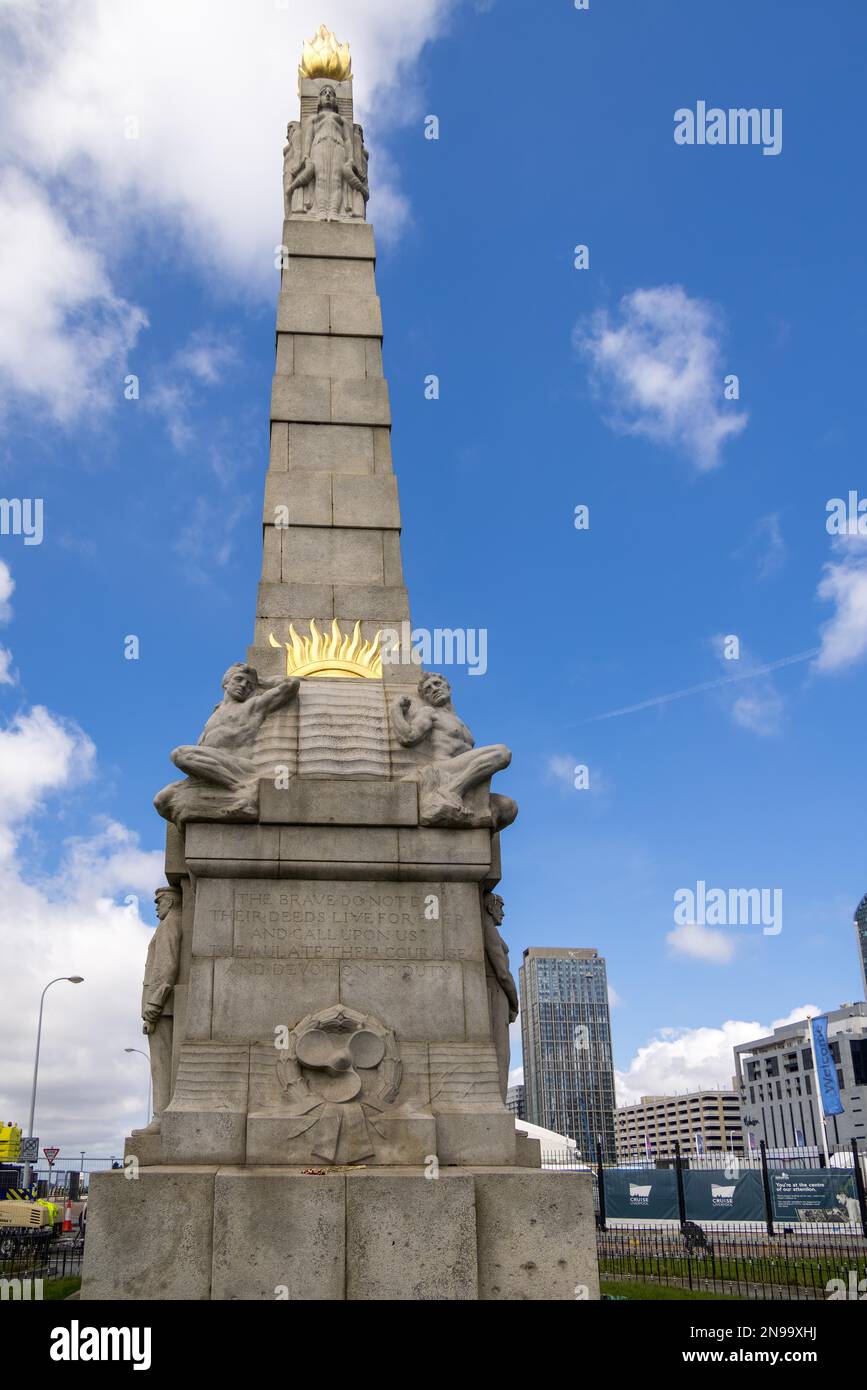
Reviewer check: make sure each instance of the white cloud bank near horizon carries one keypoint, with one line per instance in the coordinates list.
(211, 89)
(690, 1059)
(69, 922)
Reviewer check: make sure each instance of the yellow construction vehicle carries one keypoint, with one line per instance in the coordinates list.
(26, 1224)
(10, 1142)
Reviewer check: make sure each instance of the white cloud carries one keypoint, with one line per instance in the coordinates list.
(39, 754)
(88, 1095)
(760, 713)
(206, 358)
(63, 924)
(686, 1059)
(203, 361)
(207, 541)
(614, 1000)
(211, 89)
(765, 545)
(64, 332)
(701, 942)
(560, 768)
(844, 583)
(659, 367)
(7, 587)
(760, 707)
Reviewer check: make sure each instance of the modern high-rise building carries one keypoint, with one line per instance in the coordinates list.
(515, 1102)
(701, 1121)
(861, 938)
(566, 1033)
(777, 1085)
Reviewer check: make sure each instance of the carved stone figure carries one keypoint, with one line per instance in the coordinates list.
(452, 765)
(502, 992)
(340, 1071)
(292, 163)
(158, 999)
(361, 190)
(327, 171)
(223, 780)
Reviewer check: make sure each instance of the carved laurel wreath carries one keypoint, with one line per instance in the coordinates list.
(372, 1045)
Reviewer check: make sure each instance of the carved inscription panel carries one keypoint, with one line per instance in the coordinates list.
(310, 920)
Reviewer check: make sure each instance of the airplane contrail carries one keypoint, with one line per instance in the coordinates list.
(705, 685)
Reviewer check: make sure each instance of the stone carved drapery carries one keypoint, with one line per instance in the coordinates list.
(162, 967)
(502, 991)
(325, 164)
(292, 162)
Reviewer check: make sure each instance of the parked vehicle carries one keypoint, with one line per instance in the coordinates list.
(25, 1225)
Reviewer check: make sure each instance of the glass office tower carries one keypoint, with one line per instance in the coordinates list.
(566, 1034)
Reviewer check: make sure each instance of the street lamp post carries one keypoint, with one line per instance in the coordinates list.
(73, 980)
(150, 1079)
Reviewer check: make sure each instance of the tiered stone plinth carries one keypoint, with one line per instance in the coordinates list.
(381, 916)
(288, 918)
(274, 1233)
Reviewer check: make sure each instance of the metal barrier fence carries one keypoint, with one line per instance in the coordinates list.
(64, 1165)
(676, 1220)
(805, 1262)
(64, 1176)
(762, 1188)
(56, 1259)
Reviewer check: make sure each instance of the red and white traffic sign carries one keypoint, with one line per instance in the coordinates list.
(51, 1154)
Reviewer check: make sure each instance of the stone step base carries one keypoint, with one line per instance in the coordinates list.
(192, 1135)
(275, 1234)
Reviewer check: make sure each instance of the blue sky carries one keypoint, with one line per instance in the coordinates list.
(556, 129)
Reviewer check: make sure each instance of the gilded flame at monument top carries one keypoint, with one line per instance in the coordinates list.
(323, 56)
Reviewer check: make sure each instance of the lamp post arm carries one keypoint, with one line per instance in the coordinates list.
(28, 1167)
(36, 1061)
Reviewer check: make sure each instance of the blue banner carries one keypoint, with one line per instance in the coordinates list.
(826, 1067)
(814, 1194)
(649, 1193)
(711, 1195)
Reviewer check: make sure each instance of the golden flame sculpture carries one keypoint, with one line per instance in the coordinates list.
(323, 56)
(337, 655)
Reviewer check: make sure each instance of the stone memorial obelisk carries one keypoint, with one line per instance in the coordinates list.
(330, 983)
